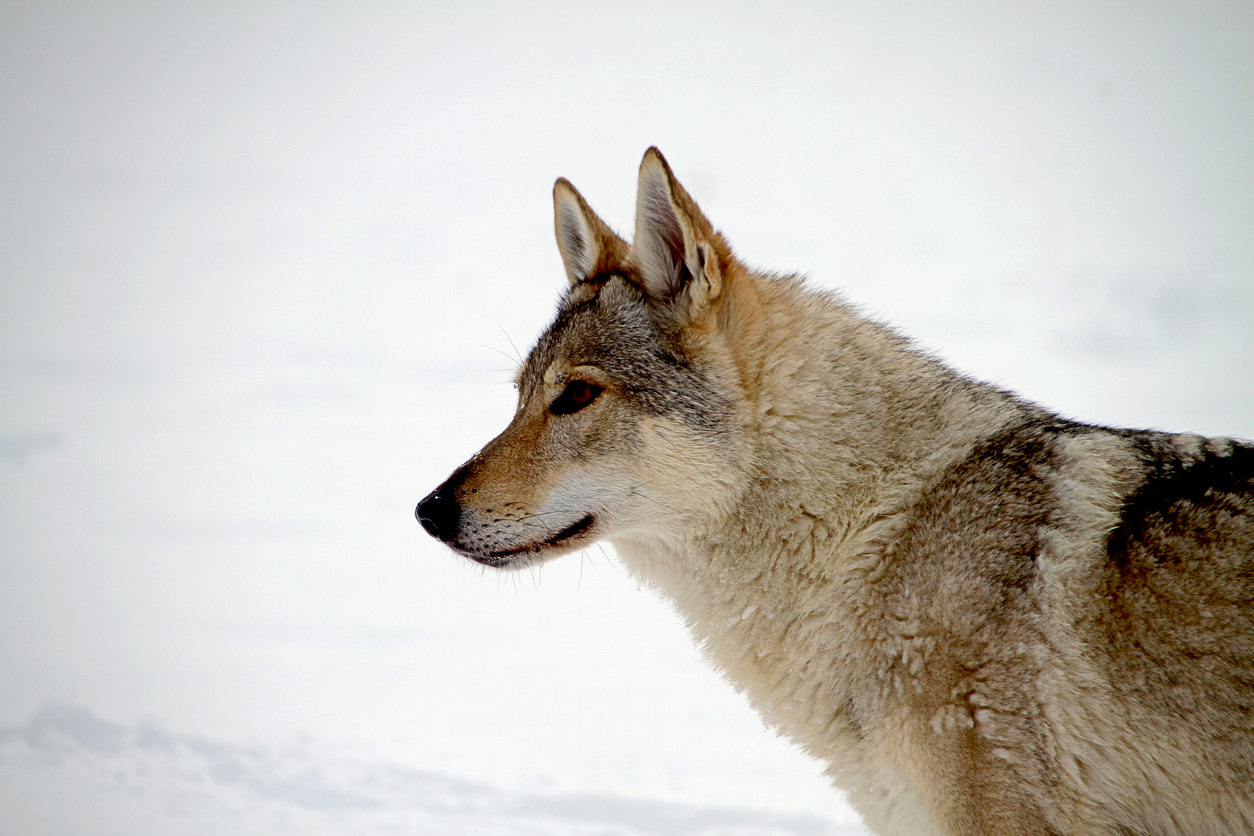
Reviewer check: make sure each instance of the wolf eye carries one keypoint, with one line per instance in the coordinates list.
(576, 395)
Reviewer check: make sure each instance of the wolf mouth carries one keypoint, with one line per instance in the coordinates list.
(570, 532)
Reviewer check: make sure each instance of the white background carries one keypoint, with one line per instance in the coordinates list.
(265, 270)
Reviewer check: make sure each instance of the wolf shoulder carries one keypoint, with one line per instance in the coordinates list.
(1151, 528)
(1146, 504)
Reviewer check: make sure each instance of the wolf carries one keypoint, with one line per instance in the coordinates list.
(983, 617)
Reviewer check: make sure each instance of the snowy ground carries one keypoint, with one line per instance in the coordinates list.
(264, 270)
(68, 771)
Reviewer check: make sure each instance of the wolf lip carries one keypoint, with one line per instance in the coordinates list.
(571, 530)
(567, 533)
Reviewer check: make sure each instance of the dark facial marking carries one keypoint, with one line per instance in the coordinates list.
(616, 330)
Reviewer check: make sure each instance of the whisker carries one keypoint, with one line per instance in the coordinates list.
(533, 520)
(635, 491)
(517, 353)
(504, 354)
(609, 559)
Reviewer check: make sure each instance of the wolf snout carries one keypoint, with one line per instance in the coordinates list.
(439, 513)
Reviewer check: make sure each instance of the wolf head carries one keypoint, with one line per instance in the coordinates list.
(628, 419)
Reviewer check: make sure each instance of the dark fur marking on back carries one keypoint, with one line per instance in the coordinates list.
(1020, 458)
(958, 515)
(1175, 483)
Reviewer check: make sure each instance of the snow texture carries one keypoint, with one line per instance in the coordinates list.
(68, 771)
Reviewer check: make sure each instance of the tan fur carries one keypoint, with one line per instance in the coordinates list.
(984, 618)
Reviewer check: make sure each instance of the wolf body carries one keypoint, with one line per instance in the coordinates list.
(985, 618)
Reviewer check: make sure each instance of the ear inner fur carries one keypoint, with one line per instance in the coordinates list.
(678, 253)
(587, 244)
(660, 239)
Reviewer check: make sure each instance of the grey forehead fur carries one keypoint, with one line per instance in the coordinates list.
(613, 326)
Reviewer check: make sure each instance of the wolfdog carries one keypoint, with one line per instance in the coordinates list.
(983, 617)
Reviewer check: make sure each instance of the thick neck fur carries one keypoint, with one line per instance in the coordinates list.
(829, 399)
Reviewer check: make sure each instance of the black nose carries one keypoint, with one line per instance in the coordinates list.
(439, 513)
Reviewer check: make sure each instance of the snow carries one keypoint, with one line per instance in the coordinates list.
(267, 269)
(141, 779)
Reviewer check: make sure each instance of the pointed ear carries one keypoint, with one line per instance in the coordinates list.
(588, 246)
(675, 245)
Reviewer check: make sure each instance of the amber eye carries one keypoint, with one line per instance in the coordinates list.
(576, 395)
